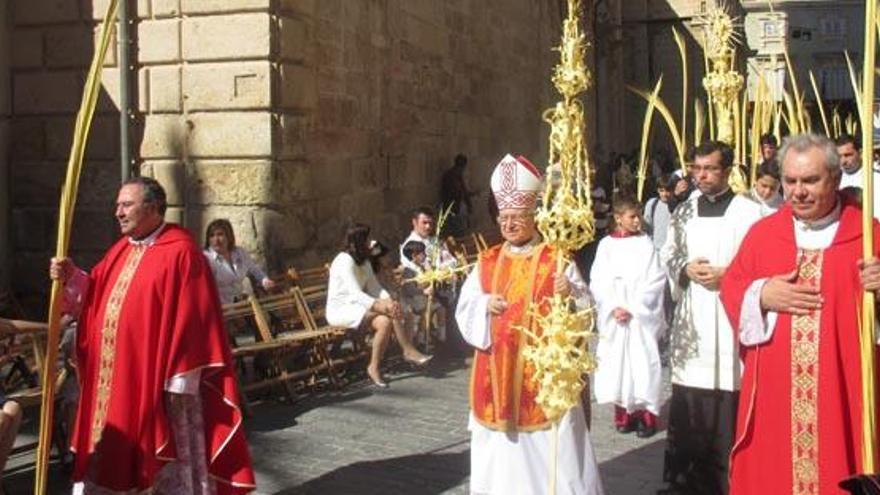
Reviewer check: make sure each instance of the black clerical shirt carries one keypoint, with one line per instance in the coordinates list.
(714, 206)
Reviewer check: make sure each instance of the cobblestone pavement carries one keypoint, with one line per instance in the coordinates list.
(408, 439)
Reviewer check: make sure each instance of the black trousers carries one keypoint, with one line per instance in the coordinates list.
(700, 434)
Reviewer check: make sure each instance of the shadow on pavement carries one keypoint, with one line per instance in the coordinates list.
(425, 474)
(20, 480)
(438, 368)
(276, 416)
(636, 472)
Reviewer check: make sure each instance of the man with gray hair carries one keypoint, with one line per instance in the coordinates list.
(792, 294)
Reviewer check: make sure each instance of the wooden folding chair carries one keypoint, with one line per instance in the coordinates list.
(311, 290)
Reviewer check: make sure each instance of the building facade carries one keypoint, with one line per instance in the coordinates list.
(293, 117)
(289, 117)
(816, 33)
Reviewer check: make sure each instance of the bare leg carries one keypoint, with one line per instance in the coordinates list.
(381, 325)
(410, 353)
(10, 420)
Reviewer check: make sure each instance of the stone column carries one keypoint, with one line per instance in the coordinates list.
(205, 99)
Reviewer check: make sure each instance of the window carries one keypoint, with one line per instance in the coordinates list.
(832, 27)
(770, 29)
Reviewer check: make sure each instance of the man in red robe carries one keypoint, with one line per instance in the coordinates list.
(159, 406)
(793, 293)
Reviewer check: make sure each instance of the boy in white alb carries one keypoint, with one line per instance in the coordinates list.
(628, 285)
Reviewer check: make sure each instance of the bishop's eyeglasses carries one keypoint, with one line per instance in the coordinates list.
(516, 218)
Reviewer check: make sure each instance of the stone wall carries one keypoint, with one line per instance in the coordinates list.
(5, 107)
(206, 76)
(289, 117)
(293, 118)
(52, 44)
(400, 87)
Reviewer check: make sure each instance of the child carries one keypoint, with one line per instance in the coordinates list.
(415, 297)
(628, 284)
(657, 212)
(766, 188)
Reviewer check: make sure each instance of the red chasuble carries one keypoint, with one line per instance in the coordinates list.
(800, 408)
(151, 314)
(502, 389)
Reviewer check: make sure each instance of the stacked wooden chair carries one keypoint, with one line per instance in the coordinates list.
(270, 333)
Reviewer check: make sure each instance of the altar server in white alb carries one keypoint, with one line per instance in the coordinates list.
(511, 438)
(628, 284)
(704, 235)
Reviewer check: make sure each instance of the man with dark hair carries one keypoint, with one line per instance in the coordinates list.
(683, 186)
(436, 255)
(153, 192)
(704, 234)
(848, 148)
(424, 230)
(159, 403)
(850, 161)
(454, 192)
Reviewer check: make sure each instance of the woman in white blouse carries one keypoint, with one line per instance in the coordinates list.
(230, 264)
(355, 299)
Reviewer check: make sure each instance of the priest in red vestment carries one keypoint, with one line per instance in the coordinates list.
(159, 405)
(793, 293)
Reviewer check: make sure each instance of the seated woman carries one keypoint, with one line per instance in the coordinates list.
(230, 264)
(355, 299)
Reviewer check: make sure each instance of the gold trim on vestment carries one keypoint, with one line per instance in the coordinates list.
(529, 323)
(804, 384)
(493, 376)
(511, 424)
(108, 342)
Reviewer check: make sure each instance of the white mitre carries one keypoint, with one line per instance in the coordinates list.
(516, 183)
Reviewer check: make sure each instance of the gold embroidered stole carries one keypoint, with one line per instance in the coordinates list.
(502, 388)
(805, 384)
(108, 341)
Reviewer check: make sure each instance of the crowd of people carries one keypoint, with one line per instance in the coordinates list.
(153, 403)
(759, 295)
(754, 298)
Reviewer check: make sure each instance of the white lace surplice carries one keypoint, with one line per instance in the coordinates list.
(188, 474)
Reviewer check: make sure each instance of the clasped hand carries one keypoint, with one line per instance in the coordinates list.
(388, 307)
(700, 271)
(497, 305)
(561, 286)
(621, 316)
